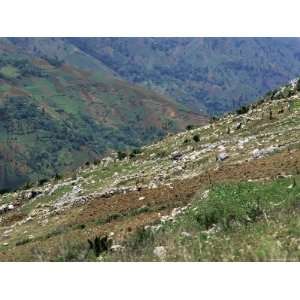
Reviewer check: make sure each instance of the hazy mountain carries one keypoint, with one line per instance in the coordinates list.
(60, 107)
(209, 74)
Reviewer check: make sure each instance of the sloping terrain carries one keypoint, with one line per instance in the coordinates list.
(213, 75)
(224, 191)
(62, 108)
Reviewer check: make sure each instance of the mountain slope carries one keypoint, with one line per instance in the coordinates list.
(213, 75)
(225, 191)
(65, 108)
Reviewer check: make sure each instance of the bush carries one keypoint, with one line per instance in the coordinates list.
(189, 127)
(80, 226)
(213, 119)
(4, 191)
(196, 138)
(28, 185)
(100, 244)
(298, 85)
(162, 154)
(97, 162)
(140, 239)
(122, 155)
(22, 242)
(242, 110)
(42, 181)
(58, 177)
(135, 152)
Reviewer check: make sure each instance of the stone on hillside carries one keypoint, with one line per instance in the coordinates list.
(31, 194)
(176, 211)
(238, 126)
(165, 219)
(256, 153)
(117, 248)
(160, 252)
(152, 185)
(205, 194)
(221, 148)
(10, 207)
(186, 234)
(176, 155)
(3, 208)
(222, 156)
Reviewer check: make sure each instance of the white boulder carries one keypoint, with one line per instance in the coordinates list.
(160, 252)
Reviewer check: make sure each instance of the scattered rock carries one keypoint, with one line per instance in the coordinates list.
(205, 194)
(222, 156)
(160, 252)
(117, 248)
(186, 234)
(221, 148)
(176, 155)
(238, 126)
(256, 153)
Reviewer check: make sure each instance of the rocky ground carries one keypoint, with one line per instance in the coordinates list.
(113, 197)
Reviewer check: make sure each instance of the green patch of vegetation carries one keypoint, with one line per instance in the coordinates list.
(296, 105)
(236, 222)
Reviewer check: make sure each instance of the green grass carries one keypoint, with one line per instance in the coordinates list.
(237, 222)
(296, 105)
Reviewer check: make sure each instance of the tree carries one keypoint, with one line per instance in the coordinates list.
(196, 138)
(298, 85)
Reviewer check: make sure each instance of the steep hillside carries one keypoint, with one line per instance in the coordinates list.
(225, 191)
(213, 75)
(58, 111)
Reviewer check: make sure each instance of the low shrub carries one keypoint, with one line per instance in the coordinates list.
(196, 138)
(242, 110)
(121, 155)
(189, 127)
